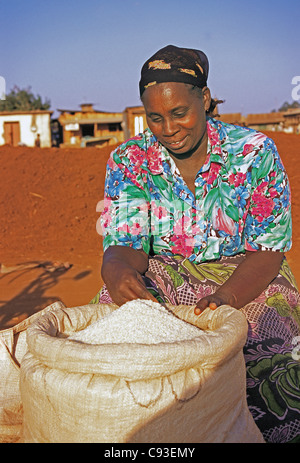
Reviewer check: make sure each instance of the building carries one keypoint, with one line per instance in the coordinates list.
(292, 120)
(266, 121)
(232, 118)
(30, 128)
(89, 127)
(134, 121)
(287, 121)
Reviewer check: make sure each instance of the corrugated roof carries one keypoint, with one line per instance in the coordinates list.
(265, 118)
(34, 111)
(94, 120)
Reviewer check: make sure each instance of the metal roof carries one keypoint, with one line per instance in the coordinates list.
(93, 120)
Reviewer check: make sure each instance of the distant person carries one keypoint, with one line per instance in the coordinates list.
(38, 141)
(198, 212)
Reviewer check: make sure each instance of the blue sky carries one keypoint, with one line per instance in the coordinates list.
(92, 50)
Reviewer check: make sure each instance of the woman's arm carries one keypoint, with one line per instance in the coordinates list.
(247, 282)
(122, 271)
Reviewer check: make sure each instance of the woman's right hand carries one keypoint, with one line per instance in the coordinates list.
(122, 273)
(125, 284)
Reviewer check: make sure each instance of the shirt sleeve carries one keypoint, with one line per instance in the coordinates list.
(268, 224)
(124, 220)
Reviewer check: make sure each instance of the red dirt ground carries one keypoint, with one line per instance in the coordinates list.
(48, 215)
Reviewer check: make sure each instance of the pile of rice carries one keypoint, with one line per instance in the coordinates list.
(138, 321)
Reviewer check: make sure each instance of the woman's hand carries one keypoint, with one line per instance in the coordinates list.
(124, 284)
(122, 271)
(212, 302)
(250, 278)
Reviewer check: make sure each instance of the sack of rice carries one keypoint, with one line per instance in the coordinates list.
(13, 347)
(138, 373)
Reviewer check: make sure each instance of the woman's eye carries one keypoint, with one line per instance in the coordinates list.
(156, 119)
(179, 114)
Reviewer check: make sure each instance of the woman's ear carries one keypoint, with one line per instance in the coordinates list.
(206, 98)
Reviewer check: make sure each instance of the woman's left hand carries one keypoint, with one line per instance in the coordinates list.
(247, 282)
(211, 302)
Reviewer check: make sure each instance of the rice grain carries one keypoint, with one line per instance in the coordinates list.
(138, 321)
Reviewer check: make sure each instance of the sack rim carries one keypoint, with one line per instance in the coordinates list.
(46, 340)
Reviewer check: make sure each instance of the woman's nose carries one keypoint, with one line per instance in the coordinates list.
(169, 128)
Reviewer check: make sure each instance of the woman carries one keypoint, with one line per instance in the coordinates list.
(198, 212)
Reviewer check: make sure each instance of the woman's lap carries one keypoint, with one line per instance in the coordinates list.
(273, 366)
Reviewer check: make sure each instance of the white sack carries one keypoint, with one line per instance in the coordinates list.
(176, 392)
(13, 347)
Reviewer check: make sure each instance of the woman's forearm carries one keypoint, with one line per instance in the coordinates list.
(136, 259)
(251, 277)
(248, 281)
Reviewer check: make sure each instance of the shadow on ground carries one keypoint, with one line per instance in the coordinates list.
(39, 277)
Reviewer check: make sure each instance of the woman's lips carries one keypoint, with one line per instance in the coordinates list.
(177, 144)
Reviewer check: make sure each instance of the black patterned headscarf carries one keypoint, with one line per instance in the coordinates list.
(174, 64)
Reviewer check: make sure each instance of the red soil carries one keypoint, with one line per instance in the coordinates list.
(48, 215)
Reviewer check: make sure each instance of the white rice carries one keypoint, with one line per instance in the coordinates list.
(138, 321)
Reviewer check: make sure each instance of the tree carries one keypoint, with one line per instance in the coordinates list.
(23, 100)
(285, 106)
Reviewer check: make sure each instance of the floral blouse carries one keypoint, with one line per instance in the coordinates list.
(241, 201)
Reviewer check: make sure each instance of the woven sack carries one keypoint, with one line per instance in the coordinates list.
(179, 392)
(13, 346)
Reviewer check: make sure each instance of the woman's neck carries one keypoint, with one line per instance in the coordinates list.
(190, 163)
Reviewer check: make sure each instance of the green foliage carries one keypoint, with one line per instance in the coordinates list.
(23, 100)
(286, 105)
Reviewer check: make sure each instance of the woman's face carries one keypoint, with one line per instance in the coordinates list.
(176, 115)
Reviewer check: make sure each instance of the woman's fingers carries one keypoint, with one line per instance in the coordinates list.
(205, 303)
(131, 287)
(139, 291)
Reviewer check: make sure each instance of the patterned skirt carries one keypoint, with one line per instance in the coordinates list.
(272, 349)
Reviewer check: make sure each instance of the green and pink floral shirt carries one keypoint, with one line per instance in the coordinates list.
(241, 202)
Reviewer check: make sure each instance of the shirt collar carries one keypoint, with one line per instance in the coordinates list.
(214, 145)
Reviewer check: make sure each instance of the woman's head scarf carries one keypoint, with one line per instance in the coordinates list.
(174, 64)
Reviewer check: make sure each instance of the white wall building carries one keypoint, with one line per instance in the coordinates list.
(25, 128)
